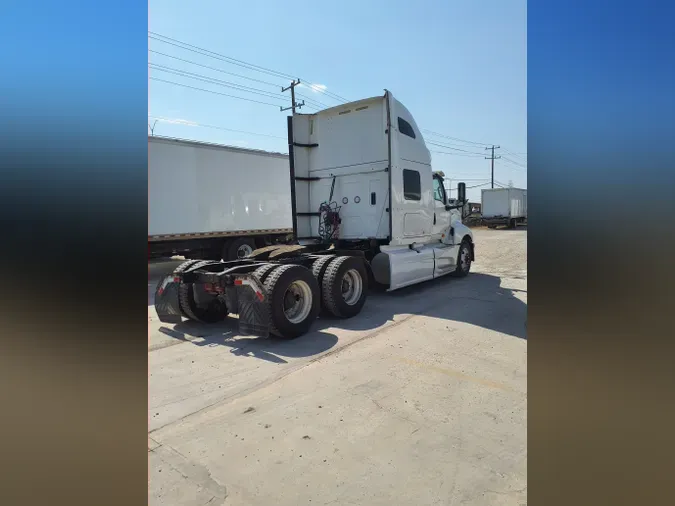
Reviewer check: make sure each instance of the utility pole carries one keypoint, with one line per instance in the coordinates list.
(294, 104)
(493, 158)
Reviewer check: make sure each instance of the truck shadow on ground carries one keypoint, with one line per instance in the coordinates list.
(478, 299)
(271, 349)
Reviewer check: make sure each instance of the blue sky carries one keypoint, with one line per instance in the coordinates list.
(460, 67)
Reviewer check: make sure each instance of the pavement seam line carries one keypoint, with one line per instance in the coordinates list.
(302, 365)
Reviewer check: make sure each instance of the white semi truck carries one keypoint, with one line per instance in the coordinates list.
(208, 201)
(504, 206)
(366, 206)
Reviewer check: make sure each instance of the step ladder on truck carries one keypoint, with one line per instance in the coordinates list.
(366, 207)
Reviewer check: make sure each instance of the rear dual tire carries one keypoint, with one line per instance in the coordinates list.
(344, 286)
(209, 309)
(293, 300)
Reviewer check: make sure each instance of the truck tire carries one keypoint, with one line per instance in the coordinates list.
(292, 300)
(319, 268)
(213, 312)
(239, 248)
(344, 287)
(263, 272)
(463, 261)
(180, 268)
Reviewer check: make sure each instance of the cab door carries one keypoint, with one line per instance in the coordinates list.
(441, 223)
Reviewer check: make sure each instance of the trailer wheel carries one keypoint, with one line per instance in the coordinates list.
(239, 248)
(293, 300)
(463, 260)
(213, 311)
(344, 287)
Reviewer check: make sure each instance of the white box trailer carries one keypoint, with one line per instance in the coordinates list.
(504, 206)
(211, 201)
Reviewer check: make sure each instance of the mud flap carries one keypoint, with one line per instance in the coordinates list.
(167, 303)
(254, 319)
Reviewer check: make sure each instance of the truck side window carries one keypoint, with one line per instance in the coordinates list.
(405, 128)
(439, 191)
(412, 186)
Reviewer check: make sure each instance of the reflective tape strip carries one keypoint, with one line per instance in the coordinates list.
(201, 235)
(250, 282)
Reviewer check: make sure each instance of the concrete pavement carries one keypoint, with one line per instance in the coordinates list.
(421, 399)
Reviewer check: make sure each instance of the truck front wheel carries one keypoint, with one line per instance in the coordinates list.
(344, 287)
(463, 260)
(293, 300)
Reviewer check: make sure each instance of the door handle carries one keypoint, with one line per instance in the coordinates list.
(434, 218)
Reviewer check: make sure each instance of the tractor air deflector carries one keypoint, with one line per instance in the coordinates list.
(254, 318)
(167, 303)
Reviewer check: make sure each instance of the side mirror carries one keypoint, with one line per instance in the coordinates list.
(461, 193)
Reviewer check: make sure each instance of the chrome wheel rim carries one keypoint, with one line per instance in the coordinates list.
(297, 301)
(352, 286)
(465, 259)
(244, 250)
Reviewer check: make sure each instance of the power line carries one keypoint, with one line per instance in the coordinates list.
(214, 92)
(205, 52)
(311, 100)
(214, 68)
(517, 155)
(228, 84)
(192, 123)
(213, 80)
(474, 186)
(455, 154)
(515, 163)
(514, 167)
(230, 73)
(450, 147)
(481, 144)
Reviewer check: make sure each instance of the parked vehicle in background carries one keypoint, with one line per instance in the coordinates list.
(208, 201)
(504, 206)
(366, 205)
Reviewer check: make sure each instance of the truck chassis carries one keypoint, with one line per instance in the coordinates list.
(278, 290)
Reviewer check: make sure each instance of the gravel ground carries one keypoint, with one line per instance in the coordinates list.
(502, 251)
